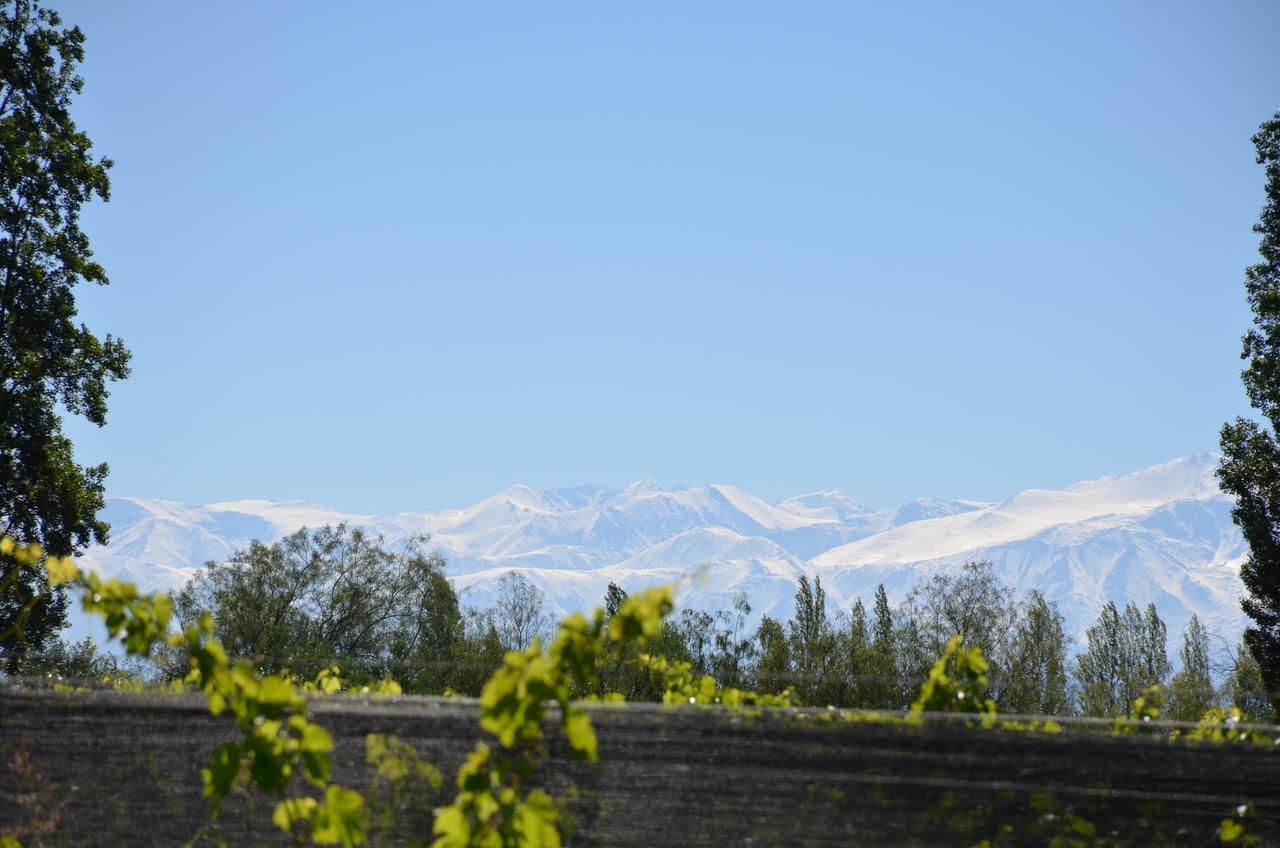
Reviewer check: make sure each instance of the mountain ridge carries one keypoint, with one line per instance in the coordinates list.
(1160, 534)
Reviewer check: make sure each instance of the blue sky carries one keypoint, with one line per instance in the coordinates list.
(398, 256)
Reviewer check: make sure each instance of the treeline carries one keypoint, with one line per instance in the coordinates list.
(338, 595)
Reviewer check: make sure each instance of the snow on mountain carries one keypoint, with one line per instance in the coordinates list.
(1162, 534)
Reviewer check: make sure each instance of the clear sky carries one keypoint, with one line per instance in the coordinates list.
(397, 256)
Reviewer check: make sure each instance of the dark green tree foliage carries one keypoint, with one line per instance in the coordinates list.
(82, 661)
(857, 657)
(1191, 690)
(733, 651)
(696, 629)
(427, 631)
(880, 681)
(472, 659)
(813, 646)
(1126, 653)
(613, 598)
(1244, 684)
(46, 174)
(330, 595)
(1250, 468)
(1034, 680)
(1153, 654)
(859, 635)
(773, 672)
(624, 674)
(972, 604)
(30, 614)
(1101, 670)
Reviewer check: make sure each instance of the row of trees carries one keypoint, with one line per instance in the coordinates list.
(339, 595)
(877, 659)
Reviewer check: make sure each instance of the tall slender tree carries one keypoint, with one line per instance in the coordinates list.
(813, 645)
(1034, 679)
(1250, 467)
(1191, 690)
(880, 680)
(613, 598)
(1101, 671)
(1126, 652)
(47, 360)
(773, 672)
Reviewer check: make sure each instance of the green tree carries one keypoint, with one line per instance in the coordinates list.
(474, 657)
(972, 603)
(1034, 681)
(773, 672)
(813, 645)
(1250, 469)
(1101, 670)
(1125, 654)
(613, 598)
(697, 631)
(1244, 687)
(733, 651)
(47, 360)
(330, 595)
(428, 626)
(857, 655)
(521, 613)
(1191, 690)
(880, 681)
(76, 662)
(1153, 654)
(30, 613)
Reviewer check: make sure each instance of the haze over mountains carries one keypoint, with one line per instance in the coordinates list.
(1163, 534)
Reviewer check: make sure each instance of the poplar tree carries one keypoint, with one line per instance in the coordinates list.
(1101, 670)
(1191, 690)
(881, 680)
(1125, 654)
(613, 598)
(1035, 680)
(48, 361)
(1250, 469)
(773, 673)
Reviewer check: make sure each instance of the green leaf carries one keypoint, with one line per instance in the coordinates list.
(536, 823)
(276, 692)
(1230, 830)
(269, 766)
(450, 828)
(221, 773)
(62, 570)
(581, 735)
(290, 811)
(315, 745)
(339, 819)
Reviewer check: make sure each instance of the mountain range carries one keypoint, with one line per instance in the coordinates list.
(1162, 534)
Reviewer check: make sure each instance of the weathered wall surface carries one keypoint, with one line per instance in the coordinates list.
(127, 770)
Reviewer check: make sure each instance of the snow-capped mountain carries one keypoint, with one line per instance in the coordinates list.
(1162, 534)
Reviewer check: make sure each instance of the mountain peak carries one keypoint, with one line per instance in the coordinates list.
(645, 485)
(1162, 534)
(827, 505)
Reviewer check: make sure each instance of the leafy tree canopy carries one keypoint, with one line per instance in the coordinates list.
(329, 594)
(1250, 453)
(47, 359)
